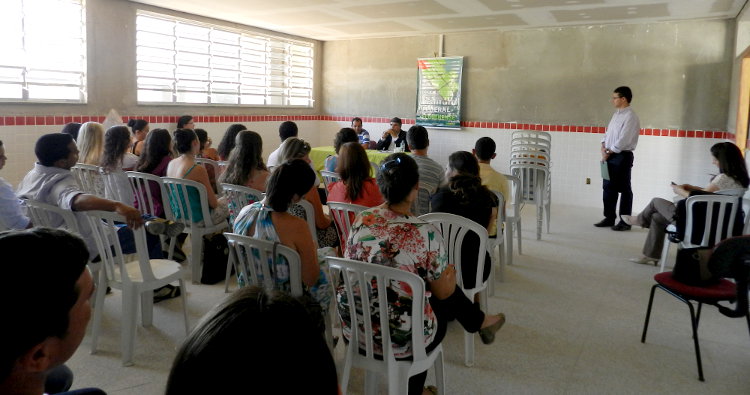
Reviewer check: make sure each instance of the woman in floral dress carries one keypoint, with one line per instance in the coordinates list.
(391, 235)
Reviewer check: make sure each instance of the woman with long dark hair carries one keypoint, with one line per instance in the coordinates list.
(356, 186)
(156, 155)
(184, 166)
(228, 141)
(116, 144)
(660, 212)
(466, 196)
(245, 164)
(270, 220)
(391, 235)
(296, 148)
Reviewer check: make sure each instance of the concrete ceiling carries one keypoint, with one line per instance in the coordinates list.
(350, 19)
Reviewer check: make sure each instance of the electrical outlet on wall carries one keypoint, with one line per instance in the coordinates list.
(588, 180)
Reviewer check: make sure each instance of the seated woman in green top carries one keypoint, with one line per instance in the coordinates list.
(184, 166)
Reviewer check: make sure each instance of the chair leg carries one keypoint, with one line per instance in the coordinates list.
(468, 349)
(509, 242)
(196, 255)
(348, 360)
(664, 254)
(648, 313)
(694, 322)
(698, 315)
(230, 265)
(183, 296)
(128, 327)
(500, 263)
(518, 235)
(101, 292)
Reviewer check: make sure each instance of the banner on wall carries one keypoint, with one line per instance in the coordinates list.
(439, 92)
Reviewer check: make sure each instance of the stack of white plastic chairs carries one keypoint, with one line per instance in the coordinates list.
(530, 161)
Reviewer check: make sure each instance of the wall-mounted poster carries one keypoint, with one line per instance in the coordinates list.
(439, 92)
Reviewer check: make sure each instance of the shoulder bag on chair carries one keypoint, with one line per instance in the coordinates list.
(691, 267)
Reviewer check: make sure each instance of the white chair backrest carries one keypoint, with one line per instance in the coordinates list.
(117, 187)
(239, 196)
(355, 275)
(222, 165)
(310, 218)
(531, 137)
(214, 165)
(105, 233)
(329, 177)
(89, 178)
(145, 199)
(454, 228)
(422, 204)
(746, 211)
(500, 212)
(343, 214)
(254, 260)
(719, 209)
(43, 214)
(182, 202)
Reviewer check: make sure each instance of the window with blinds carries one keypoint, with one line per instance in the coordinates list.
(181, 61)
(43, 47)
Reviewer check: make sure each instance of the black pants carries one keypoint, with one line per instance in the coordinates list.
(619, 166)
(455, 307)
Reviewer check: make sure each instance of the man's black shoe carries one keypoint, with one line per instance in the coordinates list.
(621, 226)
(605, 223)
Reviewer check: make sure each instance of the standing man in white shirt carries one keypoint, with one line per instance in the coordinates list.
(617, 151)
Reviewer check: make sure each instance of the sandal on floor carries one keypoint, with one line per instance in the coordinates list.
(166, 292)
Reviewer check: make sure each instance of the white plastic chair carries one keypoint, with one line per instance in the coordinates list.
(513, 218)
(117, 187)
(43, 214)
(137, 280)
(343, 214)
(423, 195)
(89, 178)
(454, 229)
(534, 176)
(252, 259)
(238, 196)
(354, 274)
(145, 199)
(179, 199)
(720, 209)
(497, 242)
(329, 177)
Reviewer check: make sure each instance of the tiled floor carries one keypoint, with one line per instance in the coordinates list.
(575, 309)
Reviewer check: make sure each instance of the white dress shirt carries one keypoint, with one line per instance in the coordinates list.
(623, 130)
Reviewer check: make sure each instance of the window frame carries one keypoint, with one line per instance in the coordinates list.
(271, 67)
(27, 67)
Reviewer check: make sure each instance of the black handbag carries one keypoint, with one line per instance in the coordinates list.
(691, 267)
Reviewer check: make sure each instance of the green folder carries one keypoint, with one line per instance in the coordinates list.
(605, 170)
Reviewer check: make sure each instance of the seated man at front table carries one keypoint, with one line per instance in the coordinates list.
(286, 129)
(484, 150)
(431, 174)
(393, 137)
(363, 134)
(52, 182)
(44, 327)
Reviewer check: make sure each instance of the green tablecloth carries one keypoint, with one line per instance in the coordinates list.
(318, 156)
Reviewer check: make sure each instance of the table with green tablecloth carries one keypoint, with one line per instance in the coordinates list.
(318, 156)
